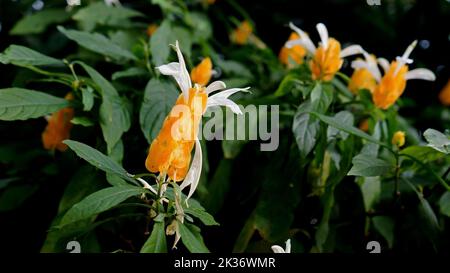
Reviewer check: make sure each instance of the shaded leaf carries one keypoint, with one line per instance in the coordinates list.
(367, 165)
(159, 98)
(156, 243)
(98, 202)
(98, 43)
(23, 56)
(21, 104)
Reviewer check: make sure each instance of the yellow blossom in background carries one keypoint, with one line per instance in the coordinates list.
(391, 86)
(362, 79)
(364, 125)
(201, 74)
(295, 54)
(327, 58)
(242, 33)
(151, 29)
(444, 95)
(398, 139)
(58, 128)
(326, 61)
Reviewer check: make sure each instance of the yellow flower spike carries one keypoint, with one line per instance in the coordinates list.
(362, 79)
(151, 29)
(202, 73)
(398, 139)
(444, 95)
(242, 33)
(392, 85)
(293, 55)
(327, 59)
(58, 128)
(170, 151)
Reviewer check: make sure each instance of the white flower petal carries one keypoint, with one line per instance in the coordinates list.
(169, 69)
(277, 249)
(359, 64)
(224, 102)
(351, 50)
(305, 40)
(288, 246)
(221, 99)
(372, 66)
(214, 86)
(184, 78)
(420, 74)
(384, 64)
(323, 33)
(193, 176)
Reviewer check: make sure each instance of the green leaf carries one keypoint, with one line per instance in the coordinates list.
(159, 43)
(38, 22)
(219, 186)
(367, 165)
(98, 202)
(23, 56)
(130, 72)
(192, 239)
(305, 129)
(82, 183)
(87, 94)
(437, 140)
(98, 43)
(200, 22)
(230, 67)
(201, 214)
(156, 243)
(371, 190)
(83, 121)
(14, 196)
(98, 159)
(346, 118)
(385, 226)
(184, 38)
(21, 104)
(321, 98)
(444, 204)
(422, 153)
(159, 98)
(101, 14)
(115, 118)
(428, 212)
(287, 85)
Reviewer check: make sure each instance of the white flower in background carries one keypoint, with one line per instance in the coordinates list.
(73, 3)
(279, 249)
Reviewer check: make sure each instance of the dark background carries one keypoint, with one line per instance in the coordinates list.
(384, 30)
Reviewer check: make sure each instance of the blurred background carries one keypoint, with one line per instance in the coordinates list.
(384, 30)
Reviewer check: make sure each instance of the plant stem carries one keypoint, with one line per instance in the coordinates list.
(440, 179)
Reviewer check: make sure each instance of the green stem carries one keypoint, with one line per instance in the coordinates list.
(442, 181)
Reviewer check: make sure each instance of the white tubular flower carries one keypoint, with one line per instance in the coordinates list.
(279, 249)
(189, 92)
